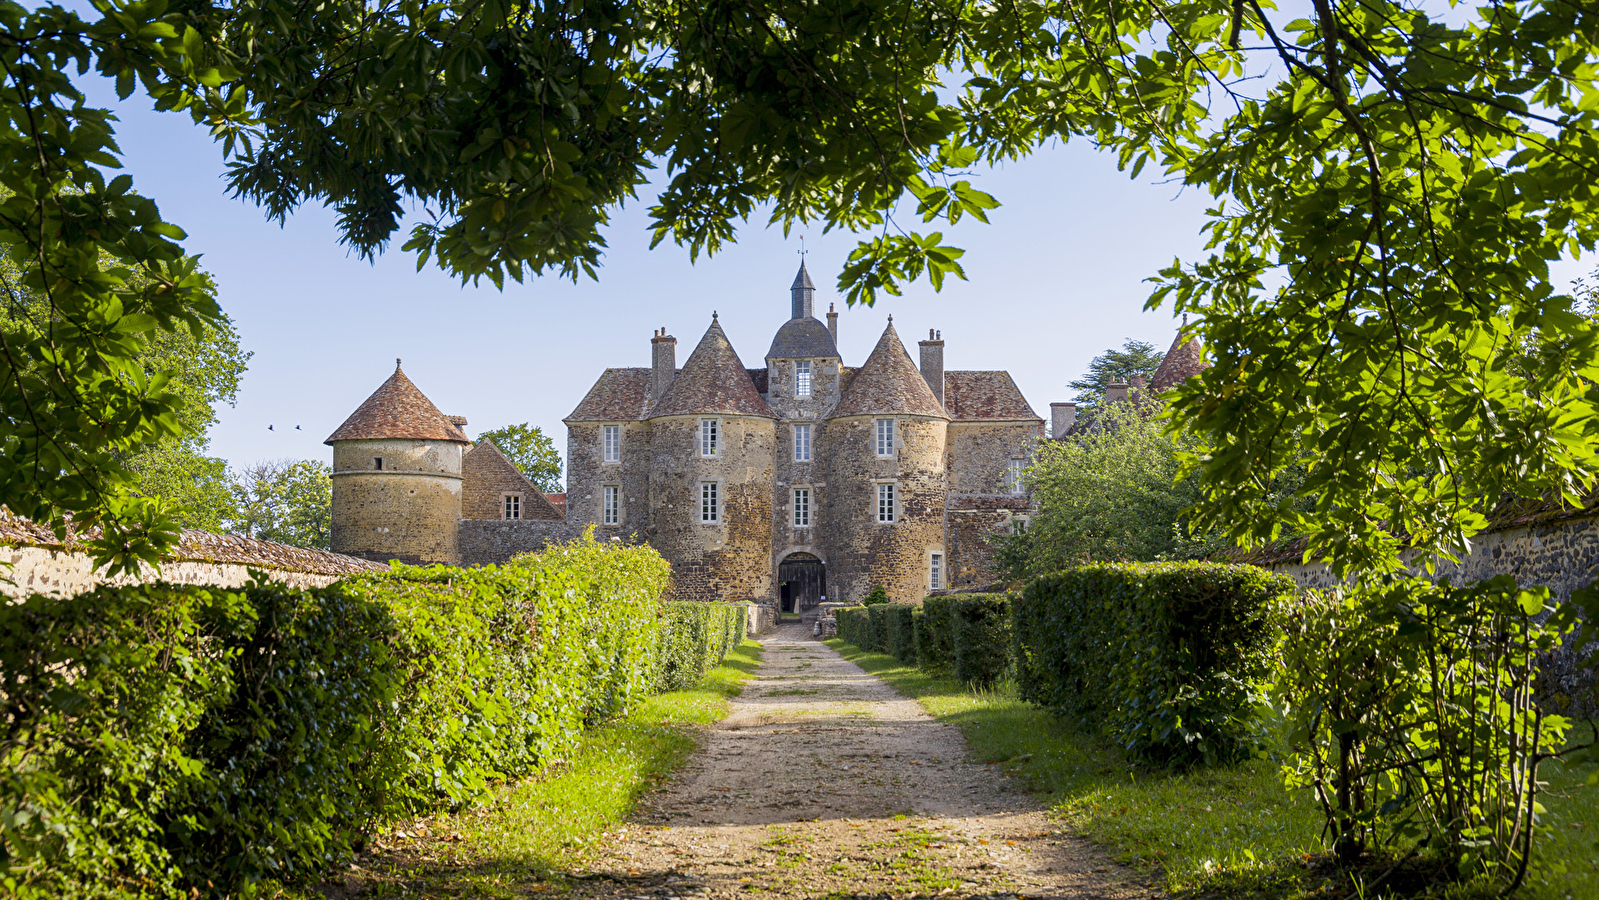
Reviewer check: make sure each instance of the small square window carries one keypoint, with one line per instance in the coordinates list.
(612, 512)
(885, 503)
(802, 443)
(885, 437)
(708, 436)
(802, 378)
(935, 571)
(613, 443)
(709, 507)
(802, 507)
(513, 506)
(377, 463)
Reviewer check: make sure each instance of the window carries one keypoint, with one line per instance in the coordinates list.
(707, 437)
(802, 378)
(513, 506)
(377, 463)
(935, 571)
(1013, 475)
(708, 506)
(612, 510)
(885, 503)
(802, 443)
(613, 443)
(802, 507)
(885, 437)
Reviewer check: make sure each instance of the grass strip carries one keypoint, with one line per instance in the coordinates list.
(534, 832)
(1231, 832)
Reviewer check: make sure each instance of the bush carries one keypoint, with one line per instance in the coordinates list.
(898, 639)
(854, 625)
(1166, 657)
(981, 637)
(875, 596)
(936, 652)
(879, 614)
(697, 636)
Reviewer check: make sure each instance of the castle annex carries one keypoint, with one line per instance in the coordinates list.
(779, 484)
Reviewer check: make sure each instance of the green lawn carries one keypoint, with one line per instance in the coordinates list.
(1234, 832)
(531, 832)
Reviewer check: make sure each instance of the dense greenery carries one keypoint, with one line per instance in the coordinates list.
(1170, 659)
(696, 638)
(165, 737)
(1112, 367)
(531, 451)
(980, 636)
(285, 500)
(936, 651)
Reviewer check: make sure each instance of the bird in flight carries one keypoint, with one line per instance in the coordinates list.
(269, 428)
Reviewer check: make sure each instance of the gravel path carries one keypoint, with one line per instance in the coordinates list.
(825, 783)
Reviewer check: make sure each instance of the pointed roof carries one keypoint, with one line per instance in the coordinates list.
(802, 279)
(888, 382)
(397, 409)
(618, 395)
(1184, 360)
(487, 474)
(985, 395)
(713, 380)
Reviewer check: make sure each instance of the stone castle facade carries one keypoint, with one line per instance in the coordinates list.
(780, 484)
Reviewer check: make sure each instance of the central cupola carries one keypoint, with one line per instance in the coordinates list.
(803, 336)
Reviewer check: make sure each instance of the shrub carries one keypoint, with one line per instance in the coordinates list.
(854, 625)
(697, 636)
(936, 652)
(898, 639)
(875, 596)
(1166, 657)
(879, 614)
(1413, 708)
(981, 637)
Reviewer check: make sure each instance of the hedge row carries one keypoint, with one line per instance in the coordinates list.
(163, 739)
(968, 634)
(1165, 657)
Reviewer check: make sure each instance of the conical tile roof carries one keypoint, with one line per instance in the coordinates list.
(889, 383)
(397, 410)
(713, 380)
(1184, 360)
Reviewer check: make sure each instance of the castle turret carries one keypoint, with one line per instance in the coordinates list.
(711, 455)
(885, 450)
(397, 478)
(802, 294)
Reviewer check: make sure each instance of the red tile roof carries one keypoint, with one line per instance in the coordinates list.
(1183, 361)
(397, 409)
(619, 395)
(713, 380)
(558, 500)
(889, 383)
(985, 395)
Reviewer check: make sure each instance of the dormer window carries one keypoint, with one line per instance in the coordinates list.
(802, 378)
(708, 437)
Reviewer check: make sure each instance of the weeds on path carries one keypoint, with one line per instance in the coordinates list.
(1232, 832)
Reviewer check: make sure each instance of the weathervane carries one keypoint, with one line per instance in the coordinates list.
(802, 248)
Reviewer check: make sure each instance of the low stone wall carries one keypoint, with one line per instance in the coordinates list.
(34, 561)
(492, 541)
(761, 618)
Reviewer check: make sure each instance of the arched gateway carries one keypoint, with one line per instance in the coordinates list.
(802, 582)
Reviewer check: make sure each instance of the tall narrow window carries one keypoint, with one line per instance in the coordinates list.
(885, 503)
(1013, 475)
(613, 443)
(885, 437)
(935, 571)
(513, 506)
(377, 463)
(709, 509)
(708, 437)
(802, 443)
(612, 510)
(802, 507)
(802, 378)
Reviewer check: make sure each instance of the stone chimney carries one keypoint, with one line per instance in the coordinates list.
(663, 363)
(1116, 392)
(1062, 416)
(832, 323)
(1138, 385)
(933, 362)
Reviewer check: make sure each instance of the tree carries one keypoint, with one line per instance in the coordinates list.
(531, 452)
(1112, 366)
(289, 501)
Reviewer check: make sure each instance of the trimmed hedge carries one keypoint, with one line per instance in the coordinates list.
(167, 738)
(1165, 656)
(936, 652)
(854, 625)
(698, 636)
(899, 641)
(980, 632)
(878, 636)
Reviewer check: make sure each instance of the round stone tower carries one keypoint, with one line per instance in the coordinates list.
(711, 457)
(397, 478)
(884, 447)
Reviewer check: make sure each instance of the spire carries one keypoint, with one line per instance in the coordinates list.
(1184, 360)
(889, 383)
(713, 380)
(802, 294)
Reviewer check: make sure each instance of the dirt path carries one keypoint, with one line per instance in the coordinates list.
(825, 783)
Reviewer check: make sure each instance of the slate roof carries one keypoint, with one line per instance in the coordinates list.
(1183, 361)
(802, 279)
(713, 380)
(985, 395)
(805, 338)
(397, 409)
(619, 395)
(758, 376)
(888, 382)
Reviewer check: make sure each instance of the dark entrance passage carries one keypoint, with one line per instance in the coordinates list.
(802, 581)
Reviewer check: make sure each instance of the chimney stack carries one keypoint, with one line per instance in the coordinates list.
(1062, 416)
(1116, 392)
(832, 323)
(663, 363)
(1139, 383)
(933, 362)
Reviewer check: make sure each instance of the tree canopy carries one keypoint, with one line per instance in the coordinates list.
(1112, 366)
(1392, 180)
(289, 501)
(534, 454)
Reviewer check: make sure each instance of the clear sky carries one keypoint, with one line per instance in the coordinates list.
(1058, 277)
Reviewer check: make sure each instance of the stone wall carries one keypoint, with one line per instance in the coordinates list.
(492, 541)
(407, 510)
(487, 478)
(588, 474)
(980, 453)
(973, 519)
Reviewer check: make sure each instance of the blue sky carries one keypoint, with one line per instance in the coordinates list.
(1058, 277)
